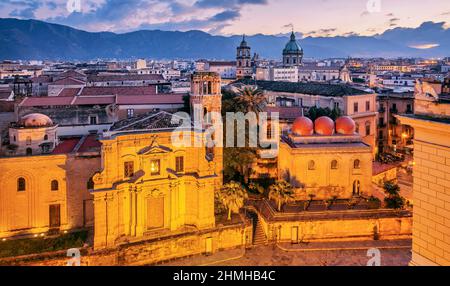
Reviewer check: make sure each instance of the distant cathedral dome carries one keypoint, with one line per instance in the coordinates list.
(345, 125)
(324, 126)
(35, 120)
(292, 47)
(303, 126)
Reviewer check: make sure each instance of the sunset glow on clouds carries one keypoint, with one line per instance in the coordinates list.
(309, 17)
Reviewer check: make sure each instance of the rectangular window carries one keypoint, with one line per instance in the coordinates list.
(130, 113)
(155, 167)
(367, 129)
(179, 162)
(128, 169)
(93, 120)
(355, 107)
(367, 105)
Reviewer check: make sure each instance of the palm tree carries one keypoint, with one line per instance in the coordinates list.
(282, 192)
(232, 196)
(252, 99)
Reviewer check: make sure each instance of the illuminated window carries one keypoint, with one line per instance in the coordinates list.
(269, 131)
(55, 185)
(357, 164)
(334, 164)
(179, 162)
(155, 167)
(128, 169)
(21, 185)
(311, 165)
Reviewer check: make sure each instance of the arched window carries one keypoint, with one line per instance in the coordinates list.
(90, 184)
(21, 185)
(311, 165)
(29, 152)
(357, 164)
(45, 137)
(334, 165)
(28, 141)
(55, 185)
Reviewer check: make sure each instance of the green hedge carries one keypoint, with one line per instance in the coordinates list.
(18, 247)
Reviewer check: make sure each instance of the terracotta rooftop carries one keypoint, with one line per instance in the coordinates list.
(312, 88)
(46, 101)
(78, 145)
(68, 81)
(66, 146)
(287, 113)
(119, 90)
(127, 77)
(151, 99)
(160, 99)
(72, 74)
(69, 91)
(379, 168)
(94, 100)
(90, 144)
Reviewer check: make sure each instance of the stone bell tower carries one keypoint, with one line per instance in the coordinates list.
(244, 60)
(206, 95)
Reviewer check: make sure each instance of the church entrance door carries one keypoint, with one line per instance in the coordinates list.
(155, 213)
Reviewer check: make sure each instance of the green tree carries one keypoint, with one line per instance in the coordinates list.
(281, 192)
(316, 112)
(232, 196)
(251, 99)
(393, 199)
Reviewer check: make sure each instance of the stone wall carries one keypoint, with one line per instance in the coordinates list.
(385, 176)
(431, 237)
(335, 225)
(148, 252)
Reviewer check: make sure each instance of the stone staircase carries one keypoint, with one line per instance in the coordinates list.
(259, 236)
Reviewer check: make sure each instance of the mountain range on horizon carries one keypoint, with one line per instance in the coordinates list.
(39, 40)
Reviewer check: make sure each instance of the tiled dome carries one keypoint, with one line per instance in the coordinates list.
(303, 126)
(324, 126)
(345, 125)
(36, 120)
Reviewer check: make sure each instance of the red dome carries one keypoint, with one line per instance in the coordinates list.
(345, 125)
(303, 126)
(324, 126)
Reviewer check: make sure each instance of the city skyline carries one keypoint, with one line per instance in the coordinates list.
(352, 17)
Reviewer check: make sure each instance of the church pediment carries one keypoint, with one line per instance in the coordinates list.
(154, 148)
(150, 150)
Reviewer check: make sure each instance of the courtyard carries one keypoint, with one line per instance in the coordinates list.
(344, 253)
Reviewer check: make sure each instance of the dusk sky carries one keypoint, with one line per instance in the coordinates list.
(310, 17)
